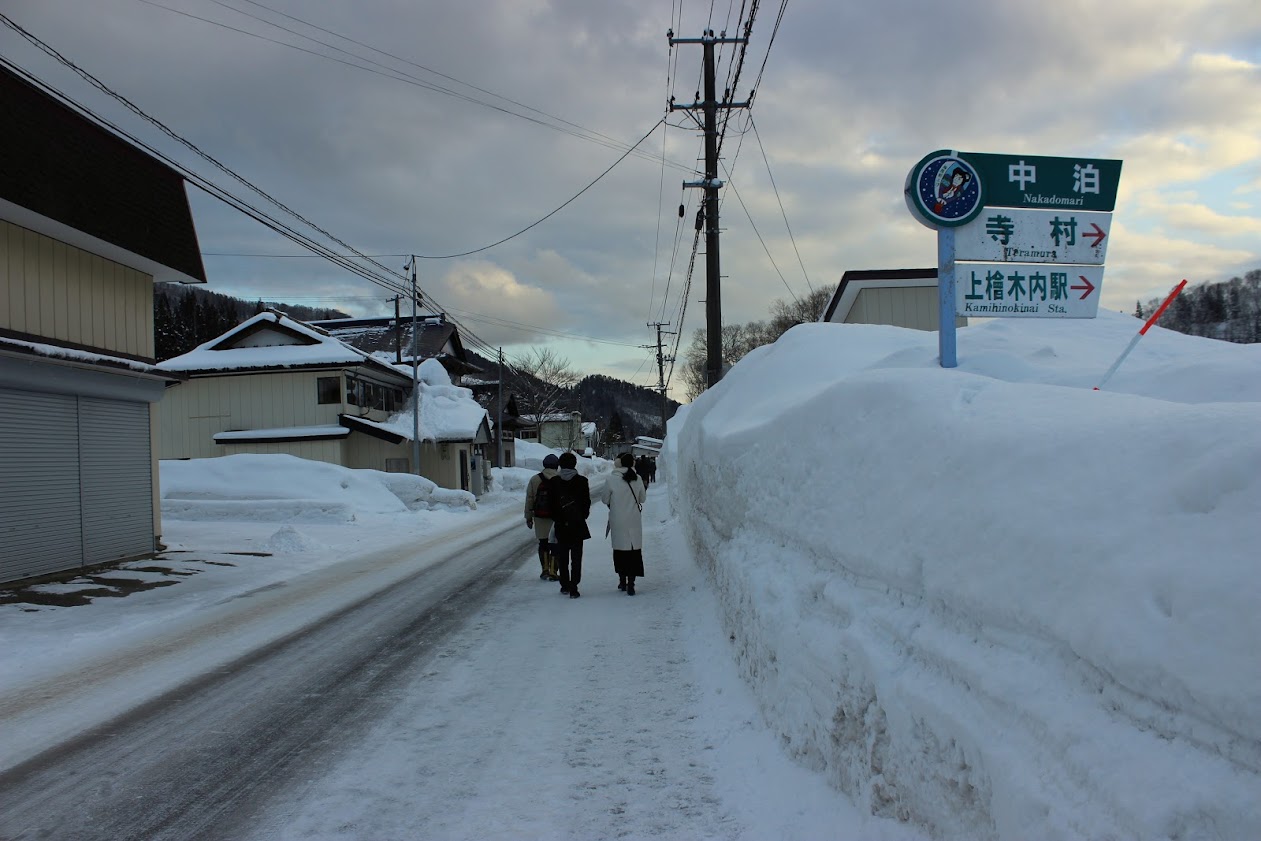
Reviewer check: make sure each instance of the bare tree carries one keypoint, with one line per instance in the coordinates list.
(739, 339)
(542, 381)
(785, 315)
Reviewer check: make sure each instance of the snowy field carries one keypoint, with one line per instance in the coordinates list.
(990, 600)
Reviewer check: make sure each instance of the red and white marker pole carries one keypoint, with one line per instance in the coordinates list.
(1142, 332)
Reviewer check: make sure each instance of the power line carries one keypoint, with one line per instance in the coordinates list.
(518, 325)
(131, 106)
(749, 216)
(240, 254)
(401, 76)
(554, 212)
(783, 212)
(783, 6)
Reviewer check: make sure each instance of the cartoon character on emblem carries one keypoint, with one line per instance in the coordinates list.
(951, 179)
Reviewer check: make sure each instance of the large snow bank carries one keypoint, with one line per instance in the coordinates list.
(990, 600)
(284, 488)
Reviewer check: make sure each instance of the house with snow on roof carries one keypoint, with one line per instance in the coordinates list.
(559, 431)
(274, 384)
(399, 338)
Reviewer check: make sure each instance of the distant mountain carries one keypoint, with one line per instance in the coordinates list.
(620, 410)
(601, 398)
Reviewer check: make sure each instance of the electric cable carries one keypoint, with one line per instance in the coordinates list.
(783, 212)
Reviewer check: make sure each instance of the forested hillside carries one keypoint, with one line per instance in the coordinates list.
(1229, 310)
(621, 409)
(186, 316)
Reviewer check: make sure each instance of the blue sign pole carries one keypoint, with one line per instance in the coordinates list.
(946, 297)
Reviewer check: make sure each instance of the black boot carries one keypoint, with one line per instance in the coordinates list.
(573, 591)
(630, 586)
(621, 582)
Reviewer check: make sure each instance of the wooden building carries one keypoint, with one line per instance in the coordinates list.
(88, 223)
(898, 297)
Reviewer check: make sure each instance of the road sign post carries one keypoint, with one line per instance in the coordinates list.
(1017, 236)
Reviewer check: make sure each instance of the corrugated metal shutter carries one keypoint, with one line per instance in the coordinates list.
(40, 523)
(117, 480)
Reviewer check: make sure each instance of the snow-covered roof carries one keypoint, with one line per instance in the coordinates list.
(447, 412)
(74, 355)
(268, 340)
(288, 433)
(588, 428)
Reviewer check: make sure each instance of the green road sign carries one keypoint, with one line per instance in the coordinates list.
(1046, 183)
(949, 189)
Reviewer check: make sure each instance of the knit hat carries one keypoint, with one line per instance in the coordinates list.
(550, 460)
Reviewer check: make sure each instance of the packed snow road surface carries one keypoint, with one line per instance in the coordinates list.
(458, 698)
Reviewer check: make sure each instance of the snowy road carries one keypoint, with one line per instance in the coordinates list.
(441, 691)
(198, 760)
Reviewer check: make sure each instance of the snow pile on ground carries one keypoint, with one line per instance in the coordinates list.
(284, 488)
(990, 600)
(289, 541)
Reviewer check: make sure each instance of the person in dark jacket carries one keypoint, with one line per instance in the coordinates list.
(542, 525)
(572, 493)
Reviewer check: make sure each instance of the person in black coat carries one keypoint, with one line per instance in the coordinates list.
(572, 494)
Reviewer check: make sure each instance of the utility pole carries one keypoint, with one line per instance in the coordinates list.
(710, 105)
(415, 375)
(662, 359)
(398, 333)
(499, 415)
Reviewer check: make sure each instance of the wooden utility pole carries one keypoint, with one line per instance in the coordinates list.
(710, 106)
(662, 359)
(499, 414)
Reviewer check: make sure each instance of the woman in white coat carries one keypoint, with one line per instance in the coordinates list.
(624, 494)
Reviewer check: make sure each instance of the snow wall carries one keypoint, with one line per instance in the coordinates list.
(995, 609)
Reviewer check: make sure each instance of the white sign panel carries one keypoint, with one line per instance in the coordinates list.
(1019, 235)
(1027, 290)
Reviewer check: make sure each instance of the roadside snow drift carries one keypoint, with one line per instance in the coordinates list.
(991, 600)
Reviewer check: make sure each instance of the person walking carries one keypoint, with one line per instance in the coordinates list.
(624, 493)
(572, 494)
(538, 514)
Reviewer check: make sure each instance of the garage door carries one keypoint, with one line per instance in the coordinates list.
(40, 521)
(117, 480)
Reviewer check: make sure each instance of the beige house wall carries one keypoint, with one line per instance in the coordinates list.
(900, 306)
(54, 290)
(440, 463)
(331, 451)
(561, 435)
(192, 412)
(367, 453)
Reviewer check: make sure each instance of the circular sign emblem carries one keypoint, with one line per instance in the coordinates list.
(944, 190)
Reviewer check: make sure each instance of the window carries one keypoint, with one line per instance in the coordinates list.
(397, 465)
(329, 390)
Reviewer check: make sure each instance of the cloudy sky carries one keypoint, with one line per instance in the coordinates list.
(439, 128)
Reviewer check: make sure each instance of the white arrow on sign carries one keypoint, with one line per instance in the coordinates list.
(1020, 235)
